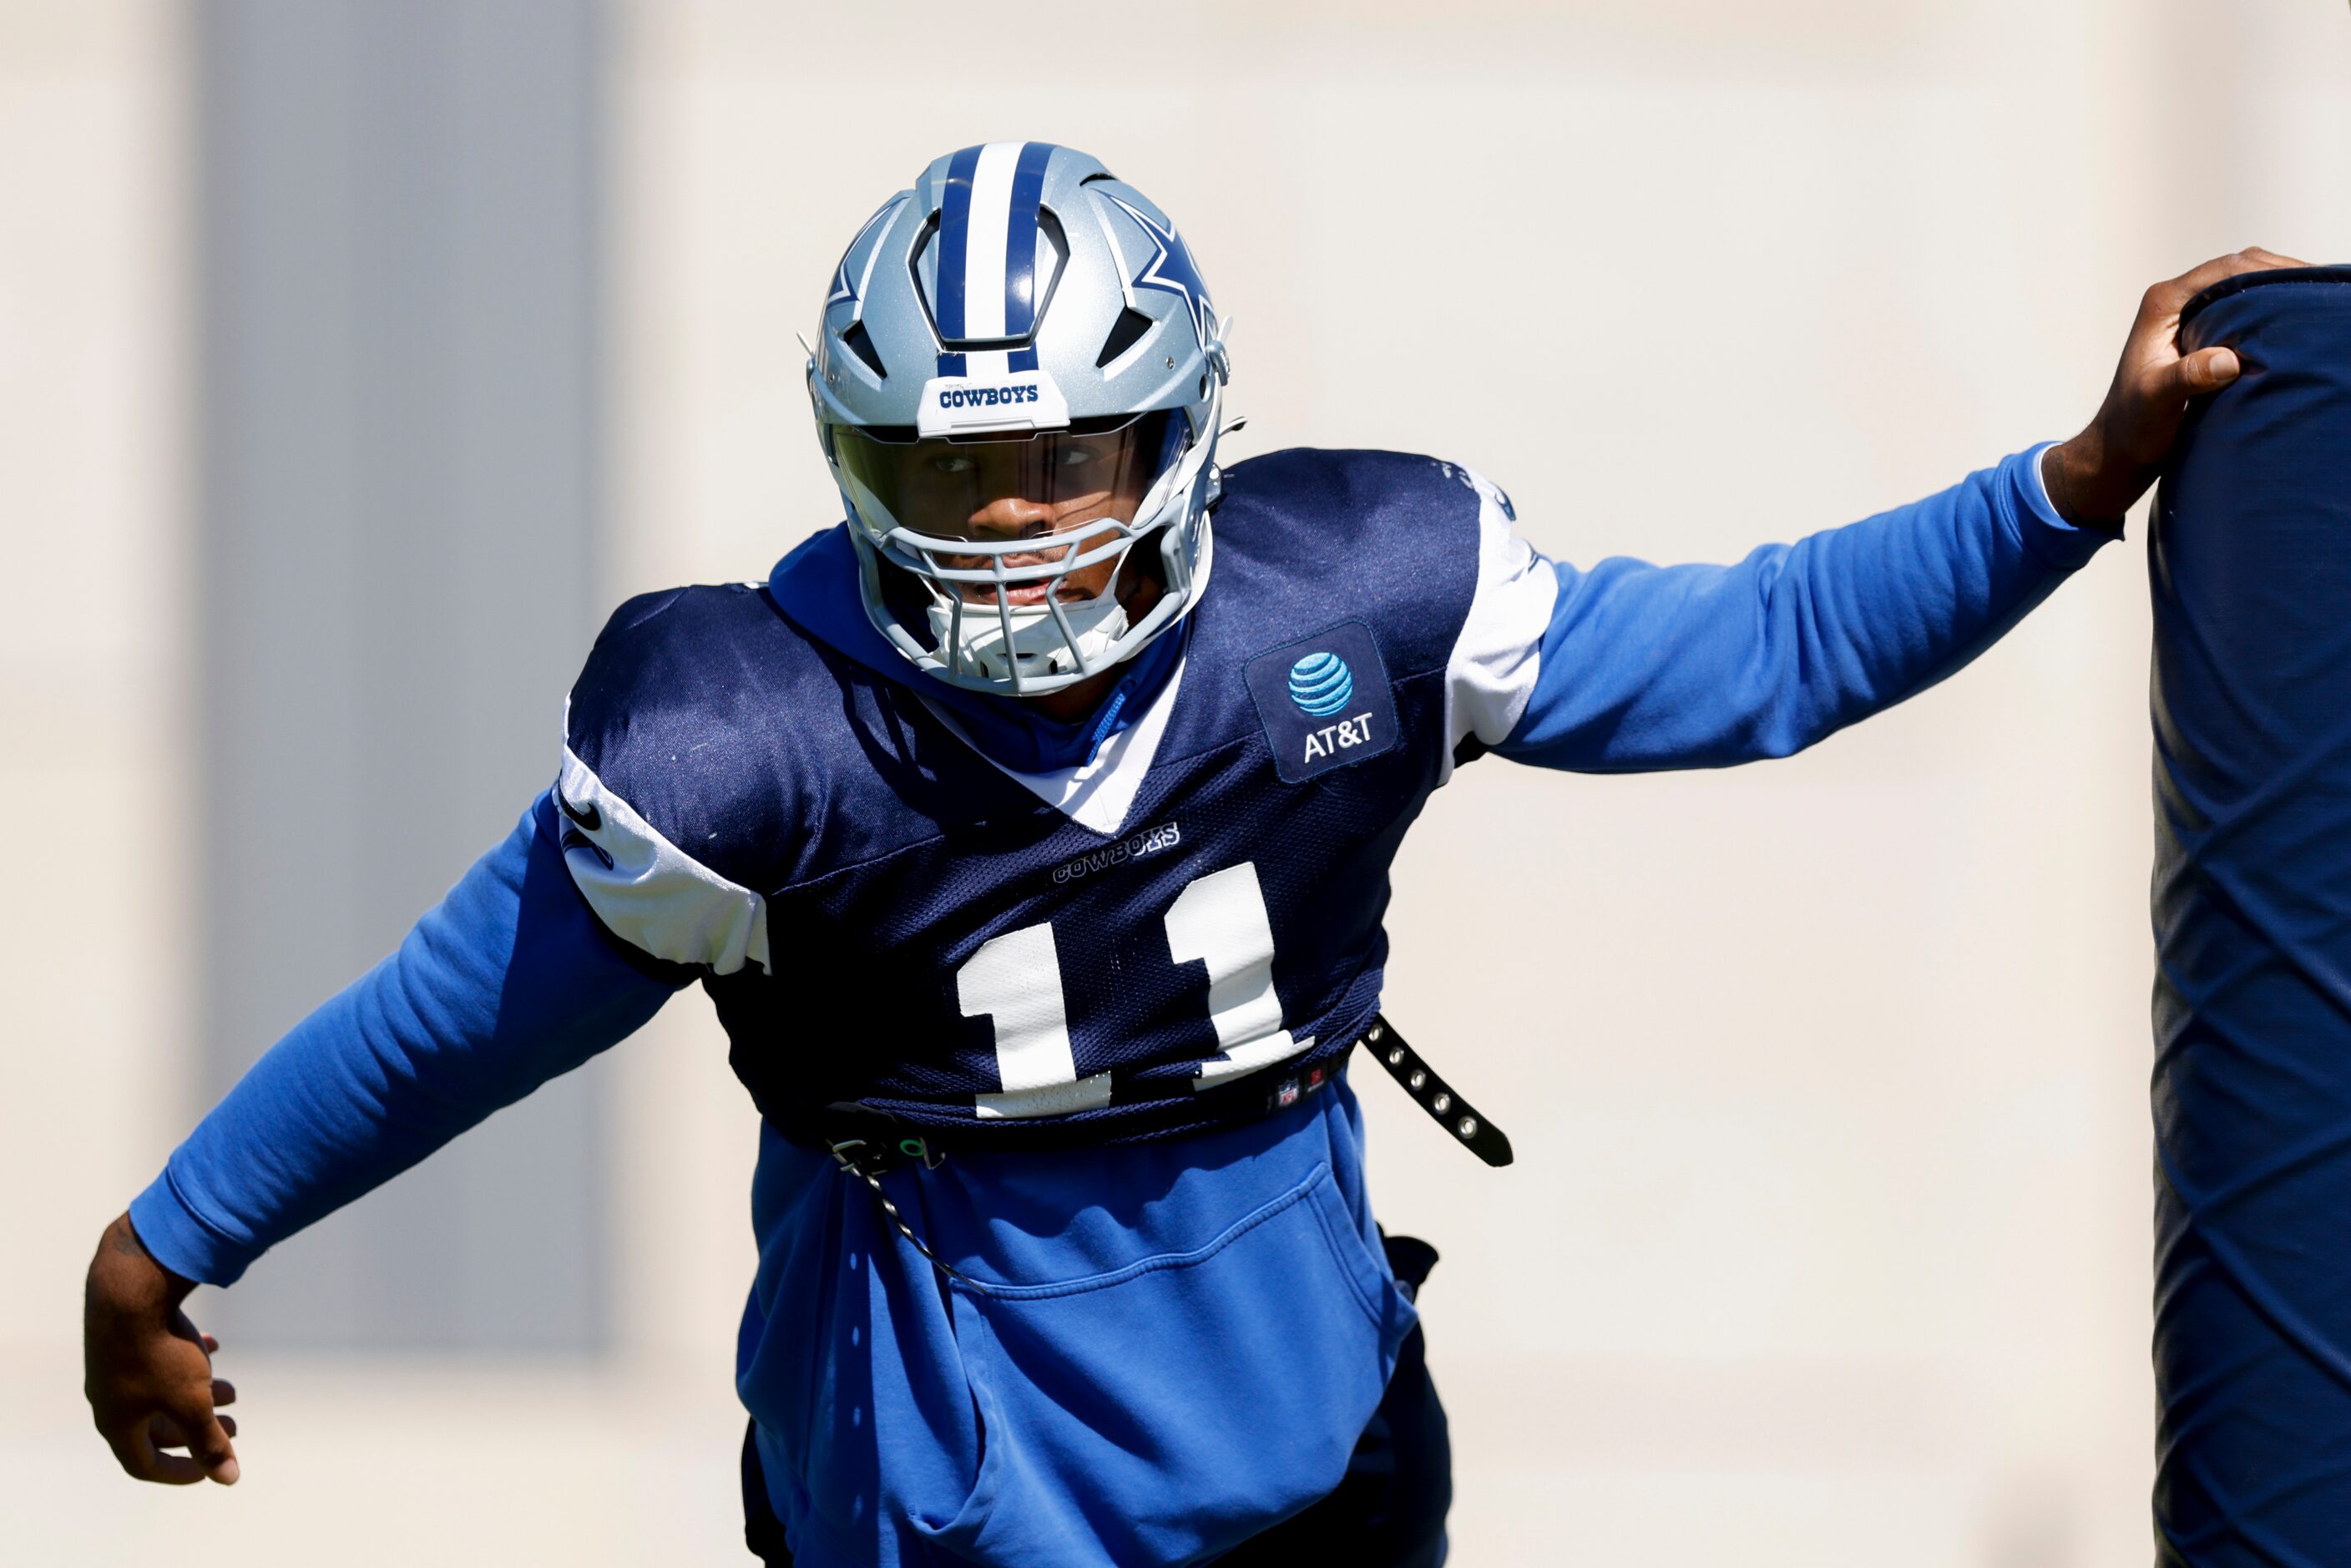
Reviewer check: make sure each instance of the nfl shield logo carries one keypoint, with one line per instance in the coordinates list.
(1289, 1092)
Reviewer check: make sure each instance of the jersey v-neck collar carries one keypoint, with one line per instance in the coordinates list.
(815, 585)
(1099, 794)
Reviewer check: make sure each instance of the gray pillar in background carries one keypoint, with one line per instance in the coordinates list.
(397, 206)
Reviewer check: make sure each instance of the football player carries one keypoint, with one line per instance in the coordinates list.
(1029, 831)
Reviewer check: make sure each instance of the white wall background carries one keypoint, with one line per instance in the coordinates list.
(1828, 1240)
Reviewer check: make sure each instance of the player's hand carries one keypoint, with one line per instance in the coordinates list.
(2094, 478)
(146, 1371)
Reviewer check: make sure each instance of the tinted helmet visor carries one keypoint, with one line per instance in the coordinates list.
(992, 492)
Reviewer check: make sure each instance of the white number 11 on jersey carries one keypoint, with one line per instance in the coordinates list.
(1219, 921)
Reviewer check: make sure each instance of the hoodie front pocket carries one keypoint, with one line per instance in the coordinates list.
(1168, 1410)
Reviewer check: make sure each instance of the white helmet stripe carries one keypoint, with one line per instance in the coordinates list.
(983, 249)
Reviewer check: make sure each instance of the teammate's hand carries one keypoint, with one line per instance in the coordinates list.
(146, 1371)
(2094, 478)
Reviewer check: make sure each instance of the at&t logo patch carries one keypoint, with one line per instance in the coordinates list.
(1322, 685)
(1325, 701)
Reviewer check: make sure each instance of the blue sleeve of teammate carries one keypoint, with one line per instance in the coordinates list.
(507, 982)
(1648, 667)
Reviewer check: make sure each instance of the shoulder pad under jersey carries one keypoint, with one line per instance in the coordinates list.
(678, 801)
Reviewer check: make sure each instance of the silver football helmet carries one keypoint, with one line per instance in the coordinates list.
(1019, 378)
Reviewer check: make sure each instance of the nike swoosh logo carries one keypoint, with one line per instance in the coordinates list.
(592, 818)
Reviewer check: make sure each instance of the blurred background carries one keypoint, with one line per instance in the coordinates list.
(357, 355)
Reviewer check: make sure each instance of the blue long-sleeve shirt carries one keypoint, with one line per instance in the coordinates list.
(512, 980)
(505, 983)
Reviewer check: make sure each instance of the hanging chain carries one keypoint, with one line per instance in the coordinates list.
(853, 1167)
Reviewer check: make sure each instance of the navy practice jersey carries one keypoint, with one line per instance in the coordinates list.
(1182, 932)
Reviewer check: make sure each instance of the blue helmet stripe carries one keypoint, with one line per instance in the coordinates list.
(955, 233)
(1020, 239)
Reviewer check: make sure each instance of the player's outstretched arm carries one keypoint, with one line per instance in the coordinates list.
(1701, 666)
(509, 981)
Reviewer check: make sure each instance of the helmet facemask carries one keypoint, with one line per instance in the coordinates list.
(996, 535)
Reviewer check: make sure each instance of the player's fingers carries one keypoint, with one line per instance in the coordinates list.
(2270, 257)
(142, 1453)
(224, 1392)
(213, 1449)
(2166, 298)
(228, 1424)
(198, 1430)
(2207, 370)
(212, 1345)
(167, 1431)
(170, 1469)
(131, 1450)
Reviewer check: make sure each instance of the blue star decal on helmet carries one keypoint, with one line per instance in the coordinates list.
(843, 290)
(1171, 270)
